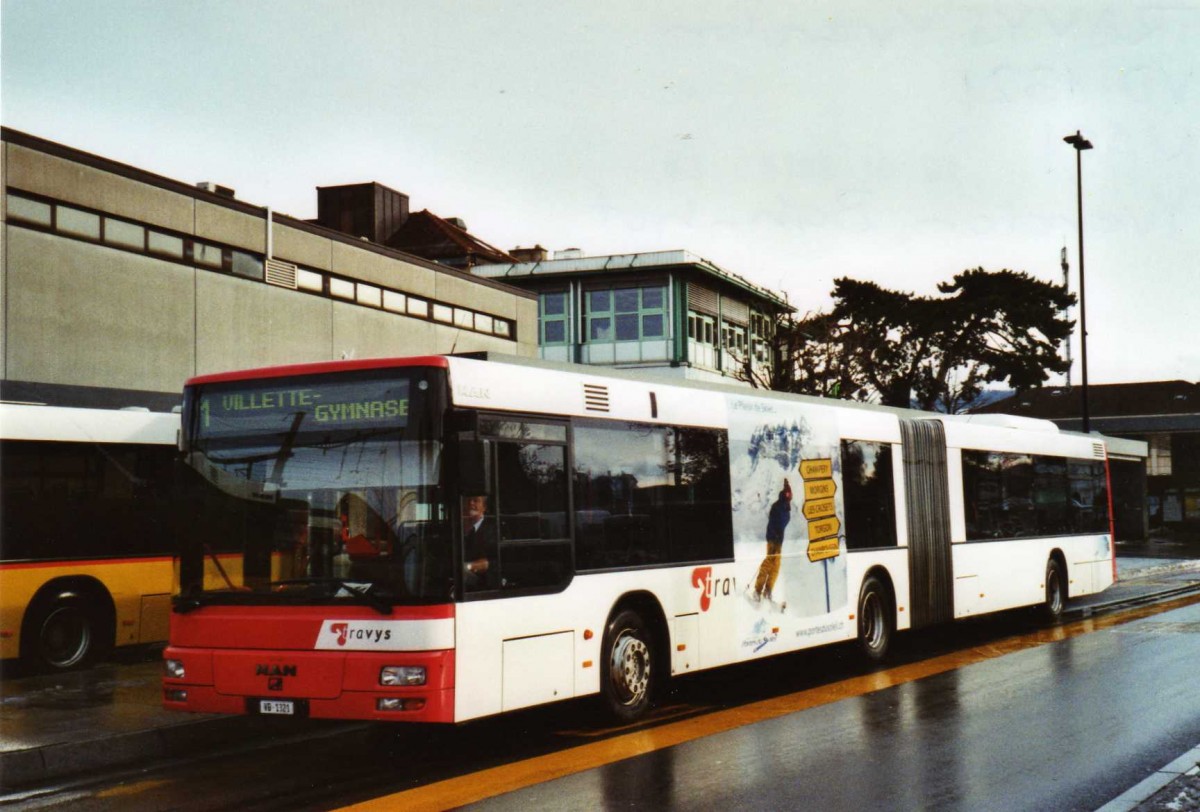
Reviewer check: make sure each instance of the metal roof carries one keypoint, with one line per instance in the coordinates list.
(628, 262)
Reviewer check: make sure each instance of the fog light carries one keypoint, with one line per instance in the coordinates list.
(399, 703)
(176, 695)
(173, 668)
(393, 675)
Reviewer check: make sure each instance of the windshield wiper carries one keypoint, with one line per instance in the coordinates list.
(366, 594)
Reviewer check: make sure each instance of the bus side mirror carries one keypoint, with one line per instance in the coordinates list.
(473, 466)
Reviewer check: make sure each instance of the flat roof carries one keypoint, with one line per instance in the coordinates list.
(9, 135)
(644, 260)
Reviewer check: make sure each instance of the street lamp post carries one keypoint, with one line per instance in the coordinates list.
(1080, 144)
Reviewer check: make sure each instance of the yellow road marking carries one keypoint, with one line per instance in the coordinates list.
(477, 786)
(131, 789)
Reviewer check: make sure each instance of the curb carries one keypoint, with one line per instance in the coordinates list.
(1131, 798)
(1080, 612)
(21, 767)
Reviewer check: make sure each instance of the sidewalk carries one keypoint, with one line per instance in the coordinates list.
(109, 717)
(1174, 788)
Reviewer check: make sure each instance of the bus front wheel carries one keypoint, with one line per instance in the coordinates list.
(628, 676)
(875, 619)
(62, 631)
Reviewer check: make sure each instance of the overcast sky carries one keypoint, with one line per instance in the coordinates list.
(791, 143)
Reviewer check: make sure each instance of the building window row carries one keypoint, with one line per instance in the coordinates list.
(609, 314)
(93, 226)
(626, 314)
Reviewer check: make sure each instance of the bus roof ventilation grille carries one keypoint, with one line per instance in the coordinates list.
(281, 273)
(595, 397)
(1098, 450)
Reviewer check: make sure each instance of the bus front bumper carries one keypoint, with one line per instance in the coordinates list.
(316, 685)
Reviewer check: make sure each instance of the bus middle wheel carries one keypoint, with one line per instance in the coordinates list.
(875, 619)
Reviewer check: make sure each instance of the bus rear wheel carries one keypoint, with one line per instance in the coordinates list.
(62, 631)
(875, 620)
(1056, 593)
(628, 677)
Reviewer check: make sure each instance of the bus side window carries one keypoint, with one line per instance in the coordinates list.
(531, 500)
(869, 498)
(650, 495)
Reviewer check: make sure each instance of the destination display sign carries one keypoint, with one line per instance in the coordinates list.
(334, 404)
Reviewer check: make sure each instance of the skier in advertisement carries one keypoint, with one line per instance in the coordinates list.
(777, 522)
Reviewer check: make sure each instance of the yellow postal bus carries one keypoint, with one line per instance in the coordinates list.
(85, 539)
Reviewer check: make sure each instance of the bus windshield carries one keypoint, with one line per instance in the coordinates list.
(315, 490)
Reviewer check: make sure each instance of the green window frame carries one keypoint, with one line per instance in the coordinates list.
(553, 314)
(627, 313)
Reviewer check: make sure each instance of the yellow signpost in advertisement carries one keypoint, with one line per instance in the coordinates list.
(816, 469)
(820, 509)
(815, 509)
(824, 528)
(820, 550)
(819, 489)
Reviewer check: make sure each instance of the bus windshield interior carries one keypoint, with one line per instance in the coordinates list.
(315, 490)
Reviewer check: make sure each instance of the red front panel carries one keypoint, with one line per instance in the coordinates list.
(322, 661)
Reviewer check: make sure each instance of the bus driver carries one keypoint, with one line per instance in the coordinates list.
(479, 543)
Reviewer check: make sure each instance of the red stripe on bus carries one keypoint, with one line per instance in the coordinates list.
(320, 367)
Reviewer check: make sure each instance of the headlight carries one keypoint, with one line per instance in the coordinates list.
(173, 668)
(394, 675)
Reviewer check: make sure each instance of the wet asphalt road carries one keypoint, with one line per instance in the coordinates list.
(1067, 725)
(1063, 725)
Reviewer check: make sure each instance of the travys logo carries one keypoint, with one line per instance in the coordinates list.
(345, 631)
(409, 634)
(710, 587)
(358, 635)
(342, 630)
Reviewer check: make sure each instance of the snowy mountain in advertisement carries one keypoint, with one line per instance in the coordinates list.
(766, 448)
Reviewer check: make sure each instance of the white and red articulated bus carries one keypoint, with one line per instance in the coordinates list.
(439, 539)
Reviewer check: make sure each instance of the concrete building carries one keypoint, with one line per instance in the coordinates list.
(665, 310)
(117, 284)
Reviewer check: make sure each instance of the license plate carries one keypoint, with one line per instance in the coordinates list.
(279, 707)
